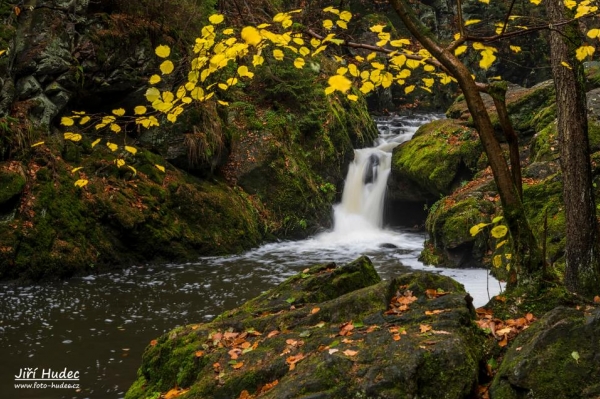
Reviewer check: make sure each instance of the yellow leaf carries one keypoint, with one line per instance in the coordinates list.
(119, 162)
(332, 10)
(412, 64)
(367, 87)
(409, 89)
(223, 103)
(257, 60)
(328, 24)
(536, 2)
(66, 121)
(299, 63)
(159, 167)
(315, 42)
(501, 244)
(108, 119)
(371, 56)
(485, 1)
(76, 169)
(132, 168)
(487, 59)
(304, 51)
(459, 50)
(163, 51)
(352, 97)
(298, 41)
(139, 110)
(341, 24)
(95, 142)
(154, 79)
(167, 67)
(2, 51)
(118, 112)
(72, 136)
(584, 51)
(429, 68)
(80, 183)
(340, 83)
(100, 126)
(84, 120)
(516, 49)
(216, 19)
(251, 36)
(112, 146)
(346, 16)
(130, 149)
(223, 86)
(37, 144)
(565, 64)
(428, 82)
(228, 31)
(593, 33)
(115, 128)
(377, 28)
(497, 261)
(278, 54)
(472, 22)
(152, 94)
(499, 231)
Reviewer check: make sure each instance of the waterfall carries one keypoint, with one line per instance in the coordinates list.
(363, 197)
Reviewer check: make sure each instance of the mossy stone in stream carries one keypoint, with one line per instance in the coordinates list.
(299, 348)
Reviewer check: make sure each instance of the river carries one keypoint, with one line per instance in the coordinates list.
(99, 325)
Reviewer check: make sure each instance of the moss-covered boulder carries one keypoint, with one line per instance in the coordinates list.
(58, 229)
(557, 357)
(450, 243)
(12, 183)
(329, 332)
(440, 156)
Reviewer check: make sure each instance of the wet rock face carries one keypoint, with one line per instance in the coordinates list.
(557, 357)
(331, 332)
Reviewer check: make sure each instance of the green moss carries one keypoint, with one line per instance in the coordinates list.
(440, 155)
(11, 185)
(544, 200)
(449, 225)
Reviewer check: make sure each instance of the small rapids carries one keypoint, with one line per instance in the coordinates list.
(99, 325)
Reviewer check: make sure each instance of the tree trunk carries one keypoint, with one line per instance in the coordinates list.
(498, 93)
(527, 254)
(582, 273)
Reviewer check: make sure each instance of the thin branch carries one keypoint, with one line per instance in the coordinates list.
(461, 26)
(512, 4)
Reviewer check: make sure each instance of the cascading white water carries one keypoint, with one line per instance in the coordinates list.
(364, 191)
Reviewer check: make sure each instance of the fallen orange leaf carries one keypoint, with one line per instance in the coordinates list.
(396, 337)
(424, 328)
(272, 334)
(504, 341)
(175, 392)
(199, 353)
(238, 365)
(153, 342)
(315, 310)
(597, 299)
(349, 352)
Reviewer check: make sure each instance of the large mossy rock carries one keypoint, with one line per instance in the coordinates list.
(326, 333)
(450, 243)
(117, 219)
(557, 357)
(441, 155)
